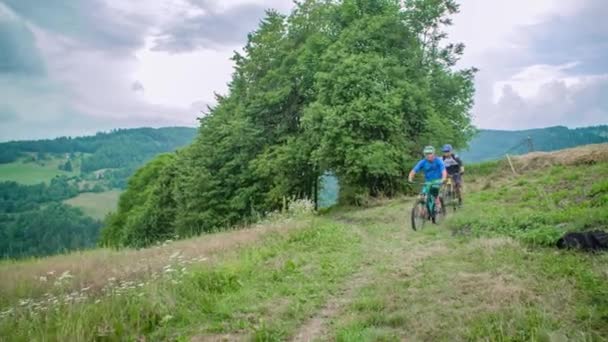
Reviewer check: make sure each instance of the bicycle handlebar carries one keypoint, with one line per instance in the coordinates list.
(435, 182)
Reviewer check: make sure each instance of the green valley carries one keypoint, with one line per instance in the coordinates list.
(53, 189)
(350, 274)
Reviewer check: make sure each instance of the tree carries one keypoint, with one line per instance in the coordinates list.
(353, 87)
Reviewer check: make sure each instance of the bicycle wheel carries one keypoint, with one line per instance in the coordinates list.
(440, 211)
(419, 216)
(448, 196)
(454, 200)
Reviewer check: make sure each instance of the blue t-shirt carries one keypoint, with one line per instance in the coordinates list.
(432, 170)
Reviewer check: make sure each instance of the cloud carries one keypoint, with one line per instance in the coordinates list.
(581, 35)
(210, 29)
(18, 53)
(90, 24)
(575, 103)
(548, 69)
(137, 86)
(66, 68)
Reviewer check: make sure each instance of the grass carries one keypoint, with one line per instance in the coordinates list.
(287, 276)
(352, 274)
(31, 172)
(540, 206)
(96, 205)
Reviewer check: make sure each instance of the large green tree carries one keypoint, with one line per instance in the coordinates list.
(354, 87)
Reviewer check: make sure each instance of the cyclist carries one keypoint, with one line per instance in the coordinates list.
(434, 170)
(455, 168)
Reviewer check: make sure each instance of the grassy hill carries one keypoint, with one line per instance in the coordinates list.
(489, 272)
(29, 172)
(494, 144)
(51, 178)
(109, 158)
(96, 205)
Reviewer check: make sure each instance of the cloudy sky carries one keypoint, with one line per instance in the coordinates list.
(73, 67)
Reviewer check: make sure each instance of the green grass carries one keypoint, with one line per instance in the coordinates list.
(288, 276)
(31, 172)
(362, 274)
(540, 206)
(96, 205)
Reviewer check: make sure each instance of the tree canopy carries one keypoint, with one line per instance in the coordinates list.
(352, 87)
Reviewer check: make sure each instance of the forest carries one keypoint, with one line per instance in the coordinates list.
(34, 220)
(355, 88)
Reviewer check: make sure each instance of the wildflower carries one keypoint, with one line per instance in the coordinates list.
(50, 273)
(166, 319)
(175, 255)
(111, 279)
(85, 289)
(98, 301)
(42, 279)
(65, 275)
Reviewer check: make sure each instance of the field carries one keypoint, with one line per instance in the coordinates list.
(32, 173)
(489, 272)
(96, 205)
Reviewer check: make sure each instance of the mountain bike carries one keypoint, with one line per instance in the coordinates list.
(449, 194)
(427, 209)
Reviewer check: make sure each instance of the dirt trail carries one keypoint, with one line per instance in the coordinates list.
(403, 256)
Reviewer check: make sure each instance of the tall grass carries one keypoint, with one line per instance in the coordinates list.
(290, 273)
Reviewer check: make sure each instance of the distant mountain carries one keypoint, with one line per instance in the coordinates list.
(494, 144)
(49, 187)
(117, 153)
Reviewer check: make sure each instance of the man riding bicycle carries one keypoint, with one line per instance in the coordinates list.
(455, 169)
(434, 170)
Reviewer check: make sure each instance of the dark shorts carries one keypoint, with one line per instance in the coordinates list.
(457, 177)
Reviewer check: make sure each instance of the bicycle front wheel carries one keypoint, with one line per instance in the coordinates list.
(419, 216)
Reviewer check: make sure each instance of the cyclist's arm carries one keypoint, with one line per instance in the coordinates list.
(415, 170)
(460, 163)
(444, 172)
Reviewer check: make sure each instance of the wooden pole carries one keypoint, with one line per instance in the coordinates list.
(511, 164)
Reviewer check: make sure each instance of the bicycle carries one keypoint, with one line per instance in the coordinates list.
(425, 208)
(449, 194)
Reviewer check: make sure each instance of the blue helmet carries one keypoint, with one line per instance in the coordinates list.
(446, 148)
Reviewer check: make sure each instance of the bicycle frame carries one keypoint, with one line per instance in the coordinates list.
(425, 196)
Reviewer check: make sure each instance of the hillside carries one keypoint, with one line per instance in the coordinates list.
(113, 156)
(490, 271)
(54, 193)
(494, 144)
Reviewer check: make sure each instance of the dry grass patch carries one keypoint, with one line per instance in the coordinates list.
(582, 155)
(489, 291)
(94, 269)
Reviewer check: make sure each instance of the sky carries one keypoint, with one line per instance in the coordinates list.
(71, 67)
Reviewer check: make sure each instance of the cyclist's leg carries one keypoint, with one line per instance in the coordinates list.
(434, 193)
(458, 186)
(427, 204)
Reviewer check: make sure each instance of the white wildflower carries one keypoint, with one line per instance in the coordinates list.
(65, 275)
(166, 319)
(43, 279)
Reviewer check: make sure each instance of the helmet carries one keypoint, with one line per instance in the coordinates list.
(447, 148)
(428, 150)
